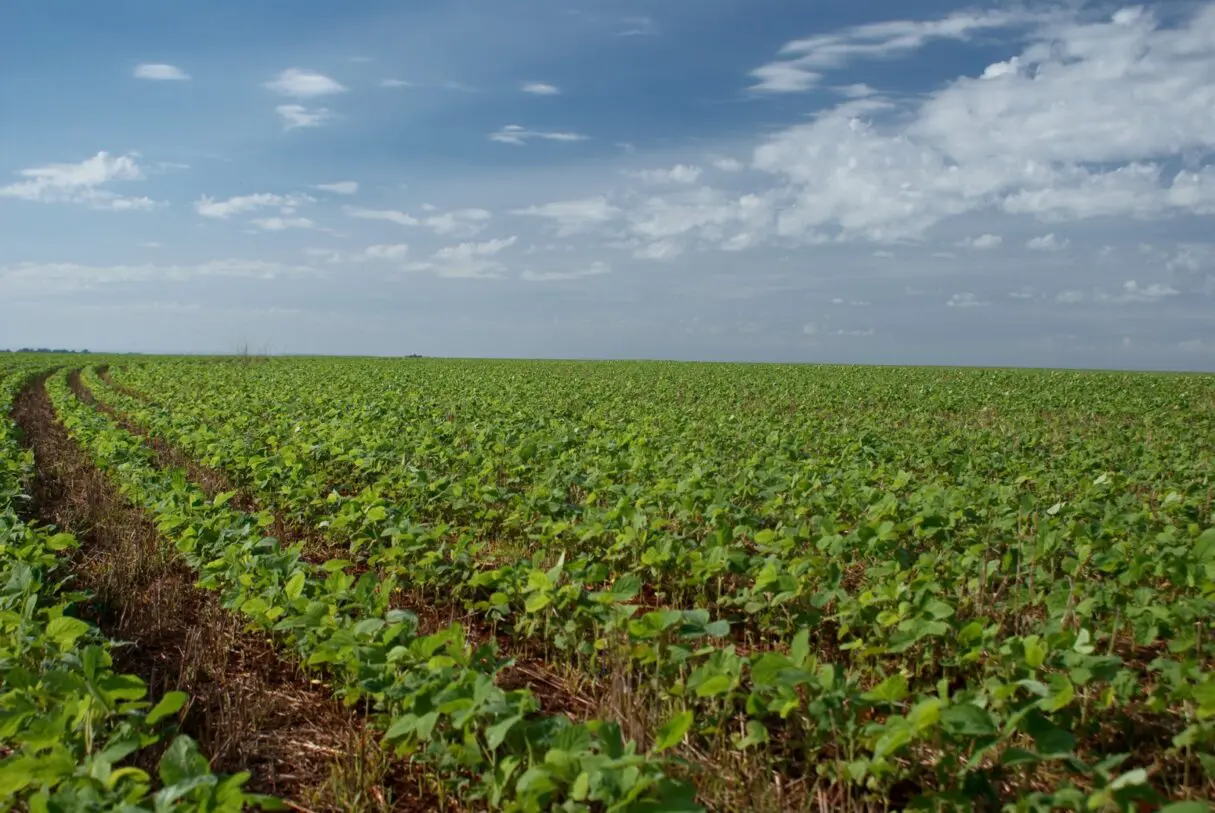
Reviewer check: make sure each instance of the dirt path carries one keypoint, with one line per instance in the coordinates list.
(249, 710)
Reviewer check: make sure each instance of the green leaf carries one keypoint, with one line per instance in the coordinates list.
(377, 514)
(1204, 547)
(182, 762)
(171, 703)
(1035, 653)
(60, 542)
(537, 602)
(65, 631)
(495, 735)
(672, 733)
(891, 690)
(295, 585)
(718, 684)
(800, 649)
(968, 720)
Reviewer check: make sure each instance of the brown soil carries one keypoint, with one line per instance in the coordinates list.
(248, 709)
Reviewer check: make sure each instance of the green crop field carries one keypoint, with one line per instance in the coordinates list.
(634, 586)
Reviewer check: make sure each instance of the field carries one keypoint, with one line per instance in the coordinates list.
(416, 584)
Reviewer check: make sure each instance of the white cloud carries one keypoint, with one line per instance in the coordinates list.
(1134, 293)
(855, 303)
(444, 85)
(304, 84)
(378, 253)
(396, 251)
(966, 300)
(81, 183)
(392, 216)
(283, 223)
(298, 116)
(678, 174)
(784, 77)
(541, 89)
(339, 188)
(593, 270)
(574, 216)
(1081, 124)
(161, 72)
(1197, 346)
(1047, 242)
(519, 136)
(805, 61)
(728, 165)
(67, 277)
(465, 251)
(223, 209)
(467, 260)
(457, 223)
(1131, 293)
(659, 250)
(984, 241)
(855, 333)
(705, 215)
(857, 91)
(809, 329)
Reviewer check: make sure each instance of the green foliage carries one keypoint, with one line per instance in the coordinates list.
(974, 584)
(68, 722)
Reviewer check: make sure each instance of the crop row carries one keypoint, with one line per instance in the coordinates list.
(435, 695)
(68, 721)
(899, 614)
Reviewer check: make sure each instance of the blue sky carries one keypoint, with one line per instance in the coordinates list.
(923, 182)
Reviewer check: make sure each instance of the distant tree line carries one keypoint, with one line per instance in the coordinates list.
(45, 350)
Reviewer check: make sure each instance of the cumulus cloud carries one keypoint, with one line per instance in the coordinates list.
(161, 72)
(223, 209)
(593, 270)
(394, 252)
(678, 174)
(1081, 123)
(467, 260)
(1047, 242)
(339, 188)
(574, 216)
(541, 89)
(389, 215)
(1134, 293)
(705, 215)
(304, 84)
(82, 183)
(456, 223)
(296, 116)
(283, 223)
(984, 241)
(519, 136)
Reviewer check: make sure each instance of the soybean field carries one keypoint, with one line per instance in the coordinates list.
(425, 584)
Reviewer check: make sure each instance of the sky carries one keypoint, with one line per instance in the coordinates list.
(920, 182)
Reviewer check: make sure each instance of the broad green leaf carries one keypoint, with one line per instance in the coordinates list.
(673, 731)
